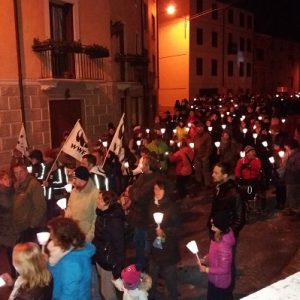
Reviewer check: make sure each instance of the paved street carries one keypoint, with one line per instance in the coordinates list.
(268, 250)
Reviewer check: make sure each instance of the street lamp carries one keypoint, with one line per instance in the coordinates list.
(171, 9)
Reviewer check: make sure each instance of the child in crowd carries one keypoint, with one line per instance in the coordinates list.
(219, 269)
(134, 284)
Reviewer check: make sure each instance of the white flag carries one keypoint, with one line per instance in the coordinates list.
(116, 144)
(22, 145)
(76, 143)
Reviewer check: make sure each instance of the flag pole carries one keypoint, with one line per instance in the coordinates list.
(59, 152)
(116, 132)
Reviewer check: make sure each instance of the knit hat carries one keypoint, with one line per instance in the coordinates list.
(82, 173)
(248, 149)
(131, 277)
(222, 220)
(37, 154)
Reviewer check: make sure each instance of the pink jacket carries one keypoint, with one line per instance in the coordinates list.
(220, 260)
(183, 166)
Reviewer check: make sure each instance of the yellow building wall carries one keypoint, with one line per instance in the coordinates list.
(8, 70)
(173, 62)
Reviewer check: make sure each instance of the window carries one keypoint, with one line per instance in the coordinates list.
(214, 14)
(241, 71)
(260, 54)
(214, 39)
(61, 28)
(230, 68)
(242, 20)
(199, 6)
(199, 37)
(214, 67)
(242, 44)
(230, 16)
(249, 22)
(199, 66)
(249, 45)
(248, 70)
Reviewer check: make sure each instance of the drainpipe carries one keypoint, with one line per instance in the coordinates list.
(19, 60)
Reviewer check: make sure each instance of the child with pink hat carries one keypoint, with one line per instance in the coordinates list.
(133, 283)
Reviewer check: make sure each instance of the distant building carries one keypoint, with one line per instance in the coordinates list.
(211, 51)
(209, 47)
(276, 65)
(63, 60)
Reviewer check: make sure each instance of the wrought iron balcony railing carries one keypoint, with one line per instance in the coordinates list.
(70, 60)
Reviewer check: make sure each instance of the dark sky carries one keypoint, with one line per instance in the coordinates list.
(278, 17)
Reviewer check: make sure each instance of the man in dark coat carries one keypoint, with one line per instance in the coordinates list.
(227, 198)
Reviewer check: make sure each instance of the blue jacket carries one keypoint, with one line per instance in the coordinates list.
(72, 275)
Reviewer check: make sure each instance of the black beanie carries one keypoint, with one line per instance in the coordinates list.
(82, 173)
(222, 221)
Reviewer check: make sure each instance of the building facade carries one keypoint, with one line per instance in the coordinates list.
(276, 65)
(64, 60)
(211, 53)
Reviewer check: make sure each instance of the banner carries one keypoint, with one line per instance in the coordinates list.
(76, 143)
(116, 144)
(22, 144)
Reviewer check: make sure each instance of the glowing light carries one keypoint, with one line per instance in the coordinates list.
(43, 237)
(147, 130)
(68, 187)
(192, 145)
(265, 144)
(223, 126)
(105, 144)
(138, 143)
(158, 217)
(217, 144)
(192, 246)
(163, 130)
(29, 169)
(242, 154)
(281, 153)
(272, 159)
(171, 142)
(62, 203)
(171, 9)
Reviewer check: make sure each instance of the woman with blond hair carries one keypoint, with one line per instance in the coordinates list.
(35, 280)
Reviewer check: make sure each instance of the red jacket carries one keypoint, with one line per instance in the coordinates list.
(183, 166)
(248, 169)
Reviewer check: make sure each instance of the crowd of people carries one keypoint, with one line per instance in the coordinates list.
(234, 148)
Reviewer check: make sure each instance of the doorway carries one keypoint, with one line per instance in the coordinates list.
(63, 116)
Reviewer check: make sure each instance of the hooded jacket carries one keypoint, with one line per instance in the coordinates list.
(72, 274)
(220, 260)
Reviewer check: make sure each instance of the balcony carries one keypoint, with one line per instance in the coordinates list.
(70, 59)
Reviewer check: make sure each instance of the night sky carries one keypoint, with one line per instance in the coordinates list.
(276, 17)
